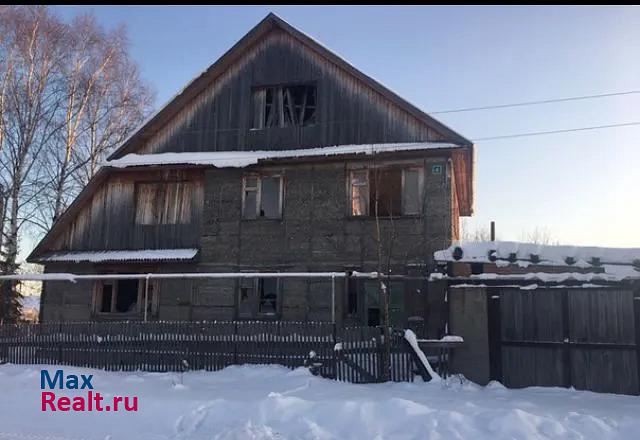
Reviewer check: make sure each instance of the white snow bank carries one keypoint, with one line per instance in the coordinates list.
(241, 159)
(270, 402)
(445, 338)
(546, 277)
(121, 255)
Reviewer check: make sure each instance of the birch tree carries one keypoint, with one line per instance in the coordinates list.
(69, 93)
(104, 101)
(32, 46)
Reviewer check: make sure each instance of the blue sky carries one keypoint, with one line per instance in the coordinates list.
(581, 187)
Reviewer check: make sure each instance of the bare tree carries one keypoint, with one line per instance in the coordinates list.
(469, 234)
(539, 235)
(69, 92)
(32, 44)
(104, 101)
(118, 105)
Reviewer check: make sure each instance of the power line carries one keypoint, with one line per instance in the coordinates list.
(526, 103)
(567, 130)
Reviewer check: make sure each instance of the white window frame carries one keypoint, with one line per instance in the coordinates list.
(258, 190)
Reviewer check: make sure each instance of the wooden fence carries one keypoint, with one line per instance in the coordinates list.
(584, 338)
(353, 354)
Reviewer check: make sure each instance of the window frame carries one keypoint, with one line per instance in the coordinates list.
(278, 91)
(190, 184)
(258, 189)
(254, 300)
(404, 167)
(420, 195)
(153, 301)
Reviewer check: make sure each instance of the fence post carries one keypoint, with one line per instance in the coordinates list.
(235, 342)
(636, 309)
(334, 353)
(59, 338)
(495, 334)
(566, 342)
(333, 299)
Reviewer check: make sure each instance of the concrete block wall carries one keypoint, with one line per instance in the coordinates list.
(314, 234)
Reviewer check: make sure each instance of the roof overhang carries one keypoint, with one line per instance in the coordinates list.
(117, 256)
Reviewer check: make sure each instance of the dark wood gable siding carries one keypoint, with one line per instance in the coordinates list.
(108, 220)
(349, 112)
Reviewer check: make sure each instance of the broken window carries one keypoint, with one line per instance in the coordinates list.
(107, 293)
(258, 297)
(386, 192)
(385, 198)
(262, 197)
(163, 203)
(246, 298)
(118, 296)
(411, 191)
(360, 192)
(284, 106)
(352, 297)
(268, 290)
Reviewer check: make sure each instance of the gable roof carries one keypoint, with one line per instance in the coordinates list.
(193, 89)
(269, 23)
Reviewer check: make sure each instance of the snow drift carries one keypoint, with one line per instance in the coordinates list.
(272, 402)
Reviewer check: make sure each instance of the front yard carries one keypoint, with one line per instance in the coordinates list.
(271, 402)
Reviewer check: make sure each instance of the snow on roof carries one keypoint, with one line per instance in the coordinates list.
(582, 256)
(241, 159)
(121, 255)
(617, 263)
(563, 277)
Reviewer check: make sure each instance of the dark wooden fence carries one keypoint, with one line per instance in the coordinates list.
(584, 338)
(353, 354)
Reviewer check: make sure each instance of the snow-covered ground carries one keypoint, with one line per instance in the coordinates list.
(271, 402)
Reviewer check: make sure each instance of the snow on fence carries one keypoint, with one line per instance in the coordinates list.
(353, 354)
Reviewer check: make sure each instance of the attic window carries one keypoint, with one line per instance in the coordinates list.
(284, 106)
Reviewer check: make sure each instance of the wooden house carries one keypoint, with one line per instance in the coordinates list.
(280, 157)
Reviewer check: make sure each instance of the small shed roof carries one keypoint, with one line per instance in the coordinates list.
(557, 255)
(546, 263)
(119, 255)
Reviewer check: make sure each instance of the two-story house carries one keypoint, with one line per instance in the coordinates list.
(280, 157)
